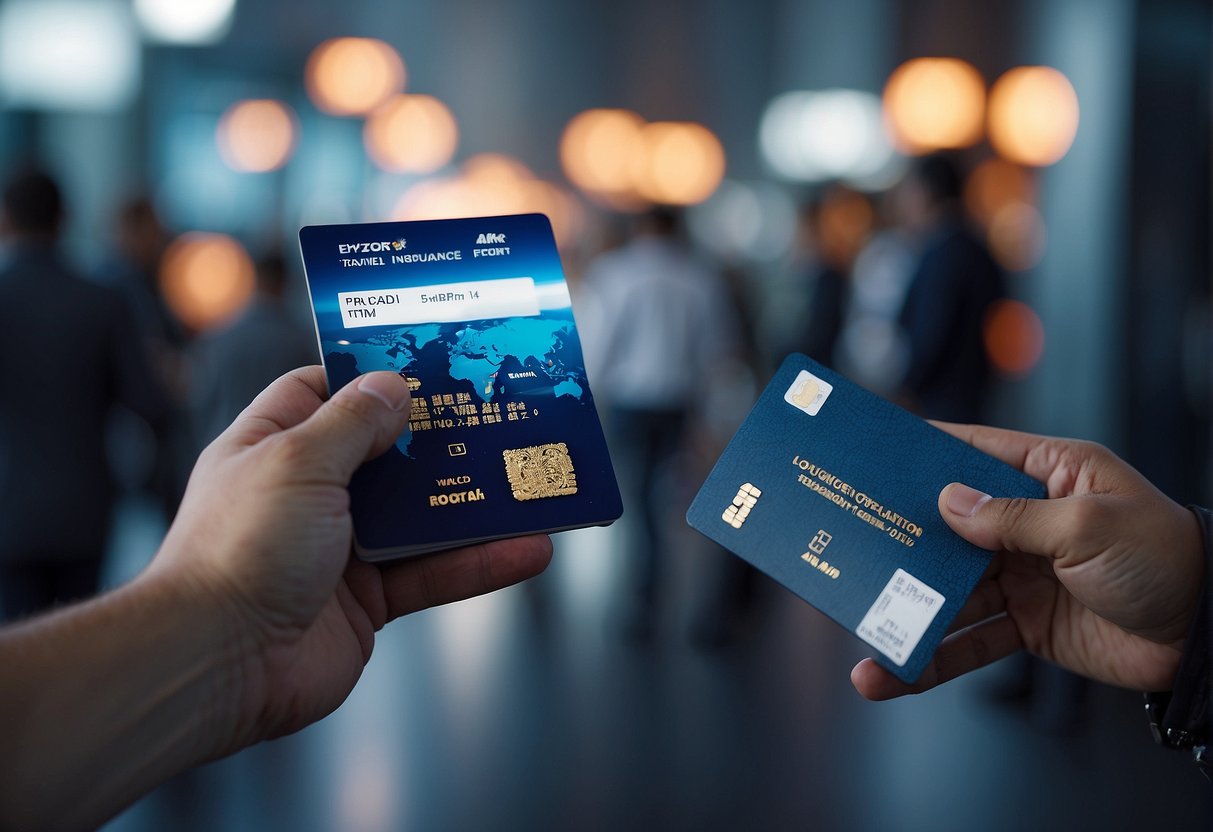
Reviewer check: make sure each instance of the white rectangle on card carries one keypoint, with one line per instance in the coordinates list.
(440, 303)
(901, 614)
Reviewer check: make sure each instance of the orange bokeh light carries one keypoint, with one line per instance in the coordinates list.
(353, 76)
(1017, 236)
(993, 185)
(492, 183)
(257, 135)
(619, 160)
(596, 152)
(1033, 115)
(677, 163)
(206, 278)
(411, 134)
(1014, 337)
(495, 169)
(935, 104)
(846, 221)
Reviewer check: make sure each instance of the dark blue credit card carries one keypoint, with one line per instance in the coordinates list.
(833, 492)
(504, 438)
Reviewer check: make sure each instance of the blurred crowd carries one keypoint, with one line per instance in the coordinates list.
(892, 289)
(109, 393)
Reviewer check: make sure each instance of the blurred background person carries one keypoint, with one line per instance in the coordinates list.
(954, 285)
(658, 333)
(69, 352)
(158, 460)
(133, 267)
(727, 590)
(233, 363)
(832, 228)
(952, 291)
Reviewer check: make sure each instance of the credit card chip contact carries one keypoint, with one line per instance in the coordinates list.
(540, 471)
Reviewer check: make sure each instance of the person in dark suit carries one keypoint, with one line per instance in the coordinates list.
(834, 225)
(69, 351)
(954, 284)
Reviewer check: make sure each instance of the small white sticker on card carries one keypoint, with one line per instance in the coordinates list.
(808, 393)
(902, 613)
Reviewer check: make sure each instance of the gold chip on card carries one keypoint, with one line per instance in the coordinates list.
(541, 471)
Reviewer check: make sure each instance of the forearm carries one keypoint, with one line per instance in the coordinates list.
(102, 701)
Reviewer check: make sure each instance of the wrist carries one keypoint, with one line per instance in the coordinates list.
(218, 653)
(1181, 717)
(108, 698)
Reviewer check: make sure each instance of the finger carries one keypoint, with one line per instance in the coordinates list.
(285, 403)
(986, 601)
(1036, 456)
(959, 654)
(358, 423)
(1037, 527)
(463, 573)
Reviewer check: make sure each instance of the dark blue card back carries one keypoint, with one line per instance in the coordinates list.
(836, 491)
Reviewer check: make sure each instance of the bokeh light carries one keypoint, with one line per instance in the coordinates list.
(492, 183)
(411, 134)
(1033, 115)
(353, 76)
(832, 134)
(677, 163)
(496, 170)
(846, 220)
(257, 135)
(745, 221)
(1014, 337)
(995, 184)
(1017, 236)
(68, 55)
(185, 21)
(596, 153)
(206, 279)
(935, 104)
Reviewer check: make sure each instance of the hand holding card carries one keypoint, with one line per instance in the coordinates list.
(833, 492)
(1102, 578)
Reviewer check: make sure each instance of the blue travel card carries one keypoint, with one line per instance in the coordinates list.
(504, 438)
(833, 492)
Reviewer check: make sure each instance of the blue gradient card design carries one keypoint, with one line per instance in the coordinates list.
(833, 492)
(503, 438)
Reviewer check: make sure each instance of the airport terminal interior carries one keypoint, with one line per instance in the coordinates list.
(773, 174)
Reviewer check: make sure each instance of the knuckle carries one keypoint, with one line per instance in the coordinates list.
(1087, 448)
(289, 451)
(353, 410)
(1082, 453)
(1012, 513)
(209, 457)
(1086, 517)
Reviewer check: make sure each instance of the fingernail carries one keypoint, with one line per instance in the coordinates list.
(388, 388)
(965, 501)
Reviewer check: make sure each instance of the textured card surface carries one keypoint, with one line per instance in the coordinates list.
(833, 492)
(504, 438)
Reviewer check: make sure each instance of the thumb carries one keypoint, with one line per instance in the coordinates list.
(1017, 524)
(358, 423)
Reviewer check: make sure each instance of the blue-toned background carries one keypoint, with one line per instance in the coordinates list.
(526, 709)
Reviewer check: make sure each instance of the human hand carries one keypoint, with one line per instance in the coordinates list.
(265, 529)
(1101, 578)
